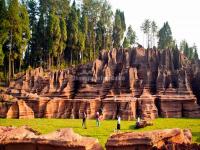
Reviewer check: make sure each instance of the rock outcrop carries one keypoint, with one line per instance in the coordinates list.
(26, 138)
(167, 139)
(147, 83)
(12, 138)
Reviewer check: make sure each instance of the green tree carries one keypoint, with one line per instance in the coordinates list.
(72, 28)
(196, 54)
(25, 35)
(2, 55)
(183, 45)
(193, 52)
(100, 35)
(3, 22)
(165, 37)
(83, 30)
(63, 39)
(41, 50)
(61, 7)
(126, 43)
(15, 34)
(106, 21)
(118, 28)
(92, 9)
(185, 48)
(146, 26)
(131, 36)
(153, 32)
(54, 34)
(31, 53)
(3, 29)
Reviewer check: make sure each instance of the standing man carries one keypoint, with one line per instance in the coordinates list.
(84, 120)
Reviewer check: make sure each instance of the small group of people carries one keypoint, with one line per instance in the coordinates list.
(98, 118)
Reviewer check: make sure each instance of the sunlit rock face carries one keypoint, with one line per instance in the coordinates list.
(127, 82)
(168, 139)
(26, 138)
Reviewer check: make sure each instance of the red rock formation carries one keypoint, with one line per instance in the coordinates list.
(146, 106)
(159, 139)
(119, 105)
(13, 111)
(26, 138)
(171, 80)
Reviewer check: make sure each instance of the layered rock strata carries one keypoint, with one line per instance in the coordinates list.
(161, 83)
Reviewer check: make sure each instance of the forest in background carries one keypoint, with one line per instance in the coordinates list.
(61, 33)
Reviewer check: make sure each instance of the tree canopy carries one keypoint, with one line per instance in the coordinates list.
(58, 33)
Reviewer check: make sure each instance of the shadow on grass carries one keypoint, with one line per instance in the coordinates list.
(132, 127)
(196, 134)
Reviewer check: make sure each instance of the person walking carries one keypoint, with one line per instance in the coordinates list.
(84, 120)
(118, 122)
(97, 119)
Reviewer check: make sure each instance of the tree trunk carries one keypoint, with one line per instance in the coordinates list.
(13, 68)
(20, 65)
(9, 61)
(104, 41)
(82, 57)
(9, 67)
(58, 61)
(49, 66)
(94, 47)
(52, 61)
(71, 58)
(148, 40)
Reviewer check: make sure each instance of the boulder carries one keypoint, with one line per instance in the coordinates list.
(12, 138)
(142, 124)
(157, 139)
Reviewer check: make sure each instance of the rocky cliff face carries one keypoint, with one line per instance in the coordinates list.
(130, 82)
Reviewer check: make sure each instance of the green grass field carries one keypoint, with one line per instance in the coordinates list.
(107, 126)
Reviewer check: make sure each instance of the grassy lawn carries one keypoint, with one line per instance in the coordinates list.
(107, 127)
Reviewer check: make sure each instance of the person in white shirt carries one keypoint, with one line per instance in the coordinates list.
(138, 119)
(118, 122)
(97, 119)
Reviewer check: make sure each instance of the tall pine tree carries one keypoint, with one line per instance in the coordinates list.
(165, 37)
(3, 29)
(54, 34)
(72, 28)
(119, 28)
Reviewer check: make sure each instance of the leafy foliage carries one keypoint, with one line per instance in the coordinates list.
(119, 28)
(54, 33)
(165, 37)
